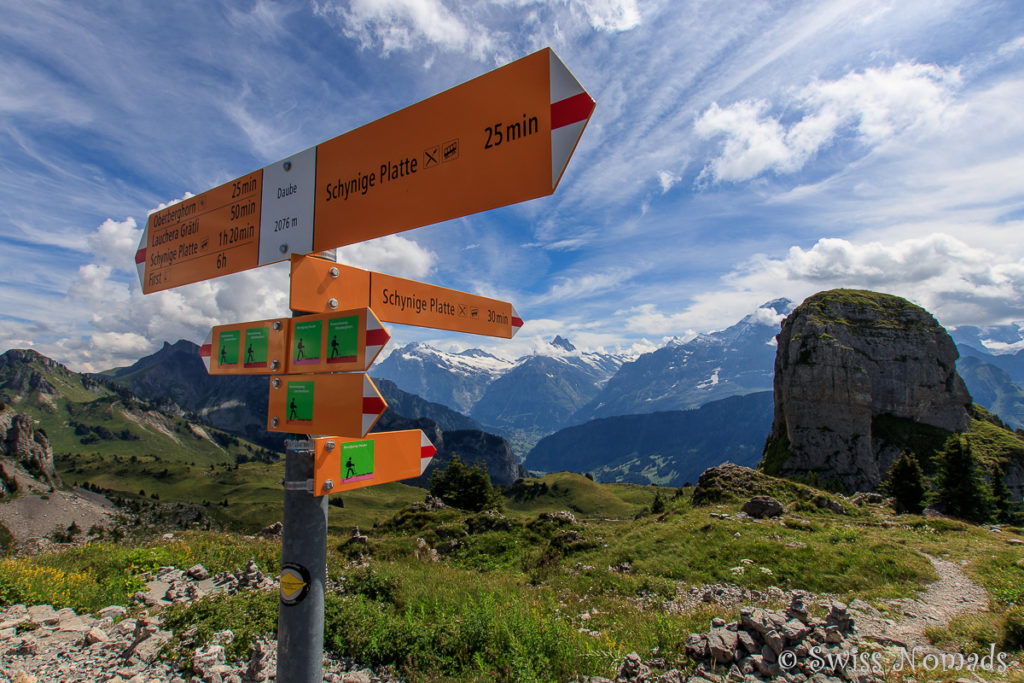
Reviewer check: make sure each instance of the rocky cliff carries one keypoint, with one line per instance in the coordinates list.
(855, 373)
(21, 444)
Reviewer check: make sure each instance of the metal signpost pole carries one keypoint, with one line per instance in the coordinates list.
(300, 618)
(300, 622)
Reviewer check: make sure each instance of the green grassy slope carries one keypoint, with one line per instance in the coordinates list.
(524, 597)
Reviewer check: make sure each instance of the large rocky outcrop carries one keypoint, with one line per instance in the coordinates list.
(856, 373)
(22, 444)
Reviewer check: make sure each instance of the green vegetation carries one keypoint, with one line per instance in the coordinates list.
(494, 595)
(906, 484)
(865, 309)
(580, 495)
(776, 453)
(464, 487)
(92, 576)
(961, 488)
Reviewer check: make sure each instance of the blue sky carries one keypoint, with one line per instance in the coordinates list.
(739, 152)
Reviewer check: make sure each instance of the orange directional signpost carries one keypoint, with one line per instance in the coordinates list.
(343, 403)
(502, 138)
(345, 463)
(317, 285)
(343, 341)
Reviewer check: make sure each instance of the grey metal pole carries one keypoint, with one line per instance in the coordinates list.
(300, 621)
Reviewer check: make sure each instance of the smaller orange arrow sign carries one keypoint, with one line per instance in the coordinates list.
(343, 341)
(253, 348)
(317, 284)
(344, 403)
(344, 463)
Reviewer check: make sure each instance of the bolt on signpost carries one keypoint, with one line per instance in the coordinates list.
(502, 138)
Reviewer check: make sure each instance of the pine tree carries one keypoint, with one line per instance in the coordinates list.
(962, 489)
(1005, 502)
(906, 484)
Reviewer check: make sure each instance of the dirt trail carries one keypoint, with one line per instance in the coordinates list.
(952, 595)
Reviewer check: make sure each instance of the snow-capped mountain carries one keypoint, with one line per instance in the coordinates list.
(457, 380)
(543, 391)
(734, 361)
(522, 399)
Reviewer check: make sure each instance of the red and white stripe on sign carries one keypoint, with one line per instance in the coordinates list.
(373, 405)
(206, 349)
(376, 337)
(140, 256)
(571, 108)
(516, 321)
(427, 452)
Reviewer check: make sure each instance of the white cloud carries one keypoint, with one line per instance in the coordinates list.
(768, 316)
(406, 24)
(584, 286)
(667, 180)
(1011, 47)
(647, 319)
(392, 254)
(115, 242)
(958, 283)
(875, 104)
(611, 15)
(754, 142)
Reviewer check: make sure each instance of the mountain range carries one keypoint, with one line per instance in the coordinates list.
(659, 417)
(174, 377)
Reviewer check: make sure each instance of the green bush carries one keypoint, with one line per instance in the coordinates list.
(249, 615)
(468, 488)
(1013, 629)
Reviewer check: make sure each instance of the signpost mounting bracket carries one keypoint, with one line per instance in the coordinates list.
(300, 485)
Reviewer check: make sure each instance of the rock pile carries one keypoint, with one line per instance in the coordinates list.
(766, 644)
(171, 585)
(60, 645)
(40, 644)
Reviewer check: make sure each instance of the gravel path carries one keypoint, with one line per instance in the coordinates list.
(952, 595)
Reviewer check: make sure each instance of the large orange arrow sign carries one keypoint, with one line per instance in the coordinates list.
(343, 341)
(349, 463)
(501, 138)
(344, 403)
(318, 285)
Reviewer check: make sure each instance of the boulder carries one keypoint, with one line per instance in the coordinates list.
(762, 507)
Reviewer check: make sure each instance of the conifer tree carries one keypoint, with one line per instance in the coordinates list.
(1003, 499)
(906, 484)
(962, 489)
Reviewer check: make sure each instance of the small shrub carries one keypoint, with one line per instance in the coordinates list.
(373, 584)
(658, 504)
